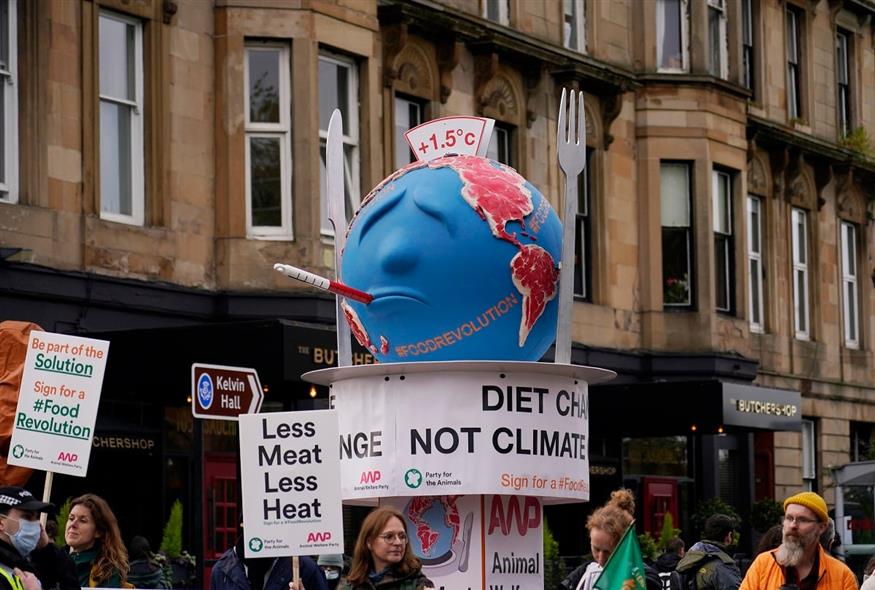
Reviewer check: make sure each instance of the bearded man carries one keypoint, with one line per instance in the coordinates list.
(800, 561)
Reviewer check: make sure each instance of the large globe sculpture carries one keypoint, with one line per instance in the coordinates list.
(462, 257)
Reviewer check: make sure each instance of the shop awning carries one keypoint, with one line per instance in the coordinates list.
(861, 473)
(701, 406)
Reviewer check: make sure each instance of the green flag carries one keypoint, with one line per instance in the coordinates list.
(625, 568)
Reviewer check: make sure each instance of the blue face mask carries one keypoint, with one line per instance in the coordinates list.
(26, 538)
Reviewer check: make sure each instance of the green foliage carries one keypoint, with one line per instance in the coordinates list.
(554, 568)
(63, 515)
(707, 508)
(766, 513)
(171, 542)
(649, 550)
(859, 141)
(668, 532)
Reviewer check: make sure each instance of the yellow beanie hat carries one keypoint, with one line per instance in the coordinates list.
(811, 501)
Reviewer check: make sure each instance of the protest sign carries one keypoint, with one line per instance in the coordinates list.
(291, 483)
(57, 403)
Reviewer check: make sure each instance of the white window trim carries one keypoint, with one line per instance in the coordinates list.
(755, 256)
(10, 100)
(724, 39)
(138, 189)
(281, 130)
(747, 31)
(400, 142)
(717, 177)
(809, 451)
(689, 230)
(579, 24)
(842, 38)
(794, 90)
(800, 300)
(848, 245)
(350, 166)
(503, 12)
(685, 35)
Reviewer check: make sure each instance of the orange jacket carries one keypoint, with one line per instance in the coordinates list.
(766, 574)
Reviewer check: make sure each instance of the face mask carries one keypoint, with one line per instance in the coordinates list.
(332, 575)
(27, 537)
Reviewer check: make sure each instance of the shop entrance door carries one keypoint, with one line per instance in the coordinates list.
(660, 498)
(221, 518)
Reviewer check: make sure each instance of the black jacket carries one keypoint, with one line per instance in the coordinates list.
(52, 566)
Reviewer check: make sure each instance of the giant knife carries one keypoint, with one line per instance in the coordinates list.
(334, 189)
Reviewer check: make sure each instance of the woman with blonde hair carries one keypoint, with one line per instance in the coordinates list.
(95, 543)
(383, 557)
(606, 527)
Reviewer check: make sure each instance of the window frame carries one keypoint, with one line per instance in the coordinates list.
(138, 164)
(578, 18)
(503, 134)
(848, 251)
(794, 34)
(684, 32)
(351, 145)
(9, 82)
(281, 130)
(755, 264)
(583, 232)
(688, 233)
(748, 44)
(724, 239)
(503, 7)
(808, 444)
(800, 274)
(399, 137)
(844, 112)
(722, 47)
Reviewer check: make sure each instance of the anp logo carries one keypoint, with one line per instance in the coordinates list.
(256, 544)
(18, 451)
(205, 391)
(413, 478)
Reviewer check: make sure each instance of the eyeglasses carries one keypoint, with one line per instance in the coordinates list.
(800, 520)
(390, 537)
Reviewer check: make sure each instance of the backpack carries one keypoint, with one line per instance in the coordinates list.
(671, 581)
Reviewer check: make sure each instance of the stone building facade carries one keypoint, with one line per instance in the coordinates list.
(160, 156)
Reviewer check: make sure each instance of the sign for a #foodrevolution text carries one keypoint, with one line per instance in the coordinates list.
(431, 434)
(57, 403)
(291, 483)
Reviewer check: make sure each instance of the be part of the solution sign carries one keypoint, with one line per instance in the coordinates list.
(57, 403)
(291, 483)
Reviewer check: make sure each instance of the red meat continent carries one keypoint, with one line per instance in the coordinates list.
(536, 277)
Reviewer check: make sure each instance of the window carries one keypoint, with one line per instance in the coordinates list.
(723, 241)
(583, 233)
(755, 263)
(794, 61)
(747, 57)
(718, 51)
(122, 189)
(809, 456)
(338, 89)
(843, 69)
(671, 35)
(408, 114)
(676, 235)
(501, 145)
(574, 25)
(497, 11)
(850, 297)
(8, 102)
(268, 142)
(799, 221)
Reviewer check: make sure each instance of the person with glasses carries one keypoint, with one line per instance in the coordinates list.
(383, 557)
(800, 561)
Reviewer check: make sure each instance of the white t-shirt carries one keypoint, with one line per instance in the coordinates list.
(590, 575)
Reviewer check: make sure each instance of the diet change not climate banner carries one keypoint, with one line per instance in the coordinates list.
(57, 403)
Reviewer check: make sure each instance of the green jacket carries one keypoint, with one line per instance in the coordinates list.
(412, 581)
(84, 561)
(709, 567)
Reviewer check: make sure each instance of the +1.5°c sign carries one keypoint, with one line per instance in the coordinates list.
(223, 393)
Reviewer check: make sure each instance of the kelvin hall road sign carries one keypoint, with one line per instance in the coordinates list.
(223, 393)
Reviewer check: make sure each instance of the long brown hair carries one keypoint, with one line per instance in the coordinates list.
(614, 517)
(362, 560)
(112, 556)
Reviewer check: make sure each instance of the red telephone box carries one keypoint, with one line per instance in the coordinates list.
(660, 497)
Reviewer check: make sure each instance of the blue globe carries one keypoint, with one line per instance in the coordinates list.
(430, 536)
(461, 255)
